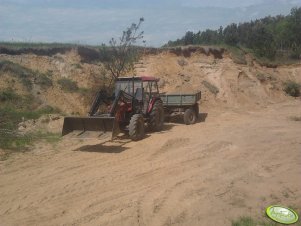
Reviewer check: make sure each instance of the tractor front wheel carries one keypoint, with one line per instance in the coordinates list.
(136, 127)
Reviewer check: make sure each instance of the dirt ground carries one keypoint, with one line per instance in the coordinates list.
(232, 163)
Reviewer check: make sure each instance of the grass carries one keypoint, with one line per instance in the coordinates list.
(26, 75)
(212, 88)
(237, 54)
(13, 110)
(279, 60)
(44, 81)
(8, 95)
(12, 141)
(68, 85)
(36, 45)
(244, 221)
(248, 221)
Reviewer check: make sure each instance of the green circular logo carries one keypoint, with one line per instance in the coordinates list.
(281, 214)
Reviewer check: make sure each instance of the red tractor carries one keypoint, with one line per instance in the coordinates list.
(135, 102)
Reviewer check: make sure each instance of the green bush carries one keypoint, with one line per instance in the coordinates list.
(265, 77)
(44, 81)
(292, 88)
(8, 95)
(68, 85)
(237, 55)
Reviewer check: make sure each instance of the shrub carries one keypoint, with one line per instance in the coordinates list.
(292, 88)
(264, 77)
(8, 95)
(68, 85)
(44, 81)
(237, 55)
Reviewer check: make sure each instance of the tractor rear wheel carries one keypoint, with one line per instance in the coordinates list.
(156, 120)
(189, 116)
(136, 127)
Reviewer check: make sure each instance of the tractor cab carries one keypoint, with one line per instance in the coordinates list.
(143, 89)
(137, 87)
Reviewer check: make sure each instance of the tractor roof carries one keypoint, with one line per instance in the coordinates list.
(137, 78)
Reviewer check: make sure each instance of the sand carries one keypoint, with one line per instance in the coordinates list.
(234, 162)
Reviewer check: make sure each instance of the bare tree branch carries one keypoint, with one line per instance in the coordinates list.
(120, 57)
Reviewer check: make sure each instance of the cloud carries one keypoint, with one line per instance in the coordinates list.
(96, 21)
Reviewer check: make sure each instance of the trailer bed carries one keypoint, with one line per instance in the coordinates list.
(180, 100)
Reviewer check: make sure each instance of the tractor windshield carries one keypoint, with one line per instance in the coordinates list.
(127, 86)
(150, 87)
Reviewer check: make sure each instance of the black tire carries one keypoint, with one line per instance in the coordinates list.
(136, 127)
(156, 119)
(189, 116)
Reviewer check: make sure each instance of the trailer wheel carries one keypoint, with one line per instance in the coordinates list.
(157, 117)
(189, 116)
(136, 127)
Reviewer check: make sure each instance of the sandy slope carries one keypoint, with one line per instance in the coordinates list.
(235, 163)
(247, 86)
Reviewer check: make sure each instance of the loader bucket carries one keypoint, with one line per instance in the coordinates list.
(87, 127)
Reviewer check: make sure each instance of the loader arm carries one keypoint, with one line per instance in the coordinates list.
(123, 97)
(101, 97)
(105, 125)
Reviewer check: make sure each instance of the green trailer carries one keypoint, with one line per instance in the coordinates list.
(185, 104)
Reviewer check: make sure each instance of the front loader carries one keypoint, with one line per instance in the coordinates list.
(135, 102)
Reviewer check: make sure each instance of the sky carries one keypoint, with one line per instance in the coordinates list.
(94, 22)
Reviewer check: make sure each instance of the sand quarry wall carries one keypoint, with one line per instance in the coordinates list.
(222, 82)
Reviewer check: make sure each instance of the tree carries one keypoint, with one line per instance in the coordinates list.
(231, 34)
(295, 28)
(119, 57)
(262, 41)
(268, 37)
(188, 38)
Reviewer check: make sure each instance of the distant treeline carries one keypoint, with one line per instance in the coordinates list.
(267, 37)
